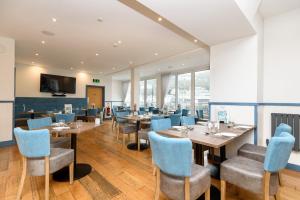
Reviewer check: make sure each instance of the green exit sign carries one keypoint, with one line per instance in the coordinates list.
(96, 80)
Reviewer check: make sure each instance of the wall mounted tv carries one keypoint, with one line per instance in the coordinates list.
(57, 84)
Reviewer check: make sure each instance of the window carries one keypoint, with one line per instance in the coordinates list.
(202, 94)
(184, 90)
(142, 91)
(127, 89)
(151, 92)
(169, 93)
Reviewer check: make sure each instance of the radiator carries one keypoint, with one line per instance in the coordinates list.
(290, 119)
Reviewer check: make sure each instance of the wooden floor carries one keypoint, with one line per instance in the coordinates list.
(117, 173)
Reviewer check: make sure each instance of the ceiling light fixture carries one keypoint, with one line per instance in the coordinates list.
(54, 19)
(156, 54)
(81, 62)
(97, 54)
(182, 64)
(71, 68)
(113, 68)
(195, 40)
(36, 54)
(120, 42)
(159, 19)
(43, 42)
(33, 63)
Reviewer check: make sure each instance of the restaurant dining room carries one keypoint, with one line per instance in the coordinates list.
(158, 100)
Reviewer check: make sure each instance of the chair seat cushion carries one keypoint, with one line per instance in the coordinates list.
(173, 186)
(127, 128)
(253, 152)
(59, 158)
(247, 174)
(60, 142)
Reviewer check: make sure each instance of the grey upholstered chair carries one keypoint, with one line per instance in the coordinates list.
(176, 176)
(257, 177)
(258, 153)
(123, 127)
(55, 142)
(39, 159)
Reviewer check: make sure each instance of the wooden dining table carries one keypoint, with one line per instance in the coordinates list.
(203, 140)
(75, 129)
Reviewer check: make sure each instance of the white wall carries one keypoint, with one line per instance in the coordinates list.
(7, 67)
(117, 92)
(28, 81)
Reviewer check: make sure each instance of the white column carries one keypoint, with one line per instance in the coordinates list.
(135, 94)
(159, 97)
(7, 94)
(193, 93)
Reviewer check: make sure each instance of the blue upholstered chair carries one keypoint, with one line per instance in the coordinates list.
(200, 114)
(142, 109)
(66, 117)
(141, 112)
(185, 112)
(156, 117)
(150, 109)
(123, 126)
(39, 159)
(178, 111)
(258, 153)
(175, 119)
(161, 124)
(56, 142)
(255, 176)
(92, 112)
(155, 111)
(177, 177)
(185, 121)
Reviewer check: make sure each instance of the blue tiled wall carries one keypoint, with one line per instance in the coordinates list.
(48, 104)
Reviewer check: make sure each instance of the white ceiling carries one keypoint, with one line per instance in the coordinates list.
(195, 59)
(79, 36)
(212, 21)
(269, 8)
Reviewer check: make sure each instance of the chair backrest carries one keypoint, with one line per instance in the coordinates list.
(278, 152)
(178, 111)
(161, 124)
(282, 128)
(150, 109)
(67, 117)
(175, 119)
(92, 112)
(172, 155)
(142, 109)
(39, 123)
(34, 143)
(155, 111)
(156, 117)
(200, 114)
(185, 112)
(185, 121)
(120, 114)
(141, 112)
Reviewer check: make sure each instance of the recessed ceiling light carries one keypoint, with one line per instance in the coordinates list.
(54, 19)
(159, 19)
(195, 40)
(113, 68)
(36, 54)
(120, 42)
(43, 42)
(32, 62)
(156, 54)
(182, 64)
(97, 54)
(100, 19)
(81, 62)
(71, 68)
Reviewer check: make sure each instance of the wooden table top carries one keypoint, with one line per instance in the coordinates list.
(85, 126)
(199, 135)
(140, 117)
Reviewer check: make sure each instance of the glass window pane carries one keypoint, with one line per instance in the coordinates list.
(128, 94)
(169, 99)
(151, 92)
(184, 90)
(202, 94)
(142, 89)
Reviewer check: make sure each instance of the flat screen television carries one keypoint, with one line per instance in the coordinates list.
(57, 84)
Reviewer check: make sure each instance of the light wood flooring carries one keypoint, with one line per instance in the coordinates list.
(117, 173)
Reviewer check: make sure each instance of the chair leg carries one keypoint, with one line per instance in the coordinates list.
(207, 194)
(21, 185)
(71, 172)
(266, 191)
(157, 189)
(187, 188)
(47, 175)
(123, 141)
(139, 143)
(118, 132)
(223, 190)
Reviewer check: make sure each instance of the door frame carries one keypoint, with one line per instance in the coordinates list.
(95, 86)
